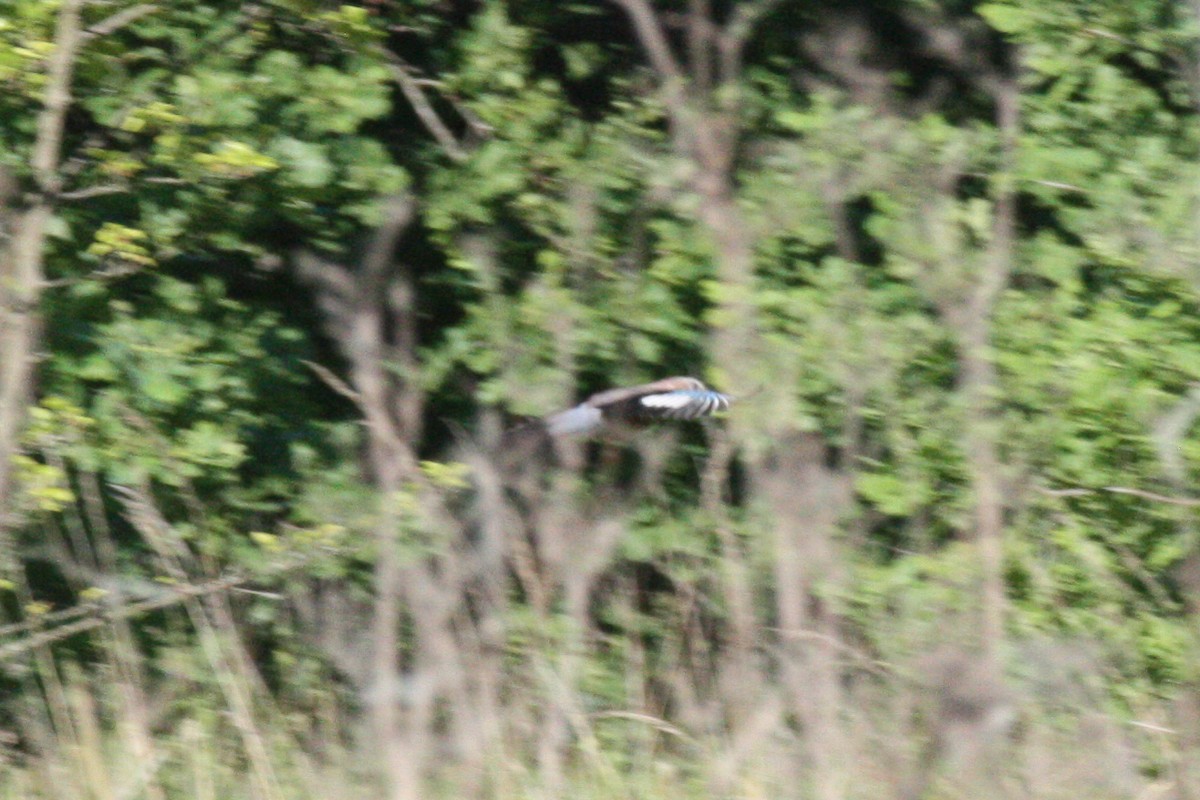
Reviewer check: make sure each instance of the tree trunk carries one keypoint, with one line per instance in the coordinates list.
(21, 268)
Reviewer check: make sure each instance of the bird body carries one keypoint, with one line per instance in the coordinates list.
(678, 398)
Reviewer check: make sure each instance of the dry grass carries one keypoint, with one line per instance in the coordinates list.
(537, 661)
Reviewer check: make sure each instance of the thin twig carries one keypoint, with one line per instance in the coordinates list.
(654, 41)
(1190, 502)
(173, 595)
(1155, 496)
(50, 618)
(105, 189)
(1077, 492)
(119, 20)
(100, 190)
(654, 722)
(334, 382)
(107, 274)
(1066, 187)
(412, 90)
(1124, 41)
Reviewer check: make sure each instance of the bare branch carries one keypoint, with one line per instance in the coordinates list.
(658, 724)
(1073, 492)
(979, 378)
(402, 303)
(700, 37)
(1125, 41)
(100, 190)
(106, 274)
(1066, 187)
(48, 145)
(334, 382)
(1170, 430)
(411, 87)
(335, 285)
(998, 267)
(704, 135)
(119, 20)
(1079, 491)
(732, 40)
(654, 40)
(399, 212)
(170, 596)
(105, 189)
(355, 303)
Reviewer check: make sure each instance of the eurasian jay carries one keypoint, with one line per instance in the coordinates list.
(668, 399)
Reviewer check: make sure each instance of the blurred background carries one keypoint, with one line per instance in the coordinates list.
(279, 279)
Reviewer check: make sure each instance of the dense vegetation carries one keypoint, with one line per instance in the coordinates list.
(276, 278)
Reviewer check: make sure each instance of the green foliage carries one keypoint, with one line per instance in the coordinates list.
(149, 378)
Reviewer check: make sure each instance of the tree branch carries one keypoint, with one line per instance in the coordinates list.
(50, 122)
(99, 190)
(22, 266)
(169, 597)
(654, 40)
(334, 382)
(410, 87)
(732, 40)
(106, 274)
(377, 261)
(119, 20)
(125, 187)
(979, 379)
(700, 37)
(704, 136)
(1189, 502)
(1170, 430)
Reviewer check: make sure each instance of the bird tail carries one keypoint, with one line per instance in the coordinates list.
(534, 440)
(580, 419)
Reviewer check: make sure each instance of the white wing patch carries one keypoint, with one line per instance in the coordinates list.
(684, 404)
(672, 400)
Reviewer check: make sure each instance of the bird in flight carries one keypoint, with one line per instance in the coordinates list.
(669, 399)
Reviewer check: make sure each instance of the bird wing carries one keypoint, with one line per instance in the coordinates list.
(682, 404)
(671, 398)
(680, 397)
(616, 397)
